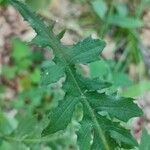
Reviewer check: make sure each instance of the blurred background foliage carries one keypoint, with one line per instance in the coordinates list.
(123, 24)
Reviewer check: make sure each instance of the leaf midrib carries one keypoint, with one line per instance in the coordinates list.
(58, 49)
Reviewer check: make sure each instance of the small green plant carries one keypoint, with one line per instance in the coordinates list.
(104, 116)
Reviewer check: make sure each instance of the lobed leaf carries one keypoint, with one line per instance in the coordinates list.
(107, 133)
(33, 19)
(85, 51)
(61, 116)
(120, 108)
(84, 135)
(116, 131)
(51, 73)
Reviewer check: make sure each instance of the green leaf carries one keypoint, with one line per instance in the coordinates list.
(84, 135)
(100, 7)
(20, 50)
(145, 144)
(61, 34)
(21, 54)
(92, 84)
(124, 22)
(122, 9)
(27, 127)
(9, 71)
(137, 89)
(41, 41)
(120, 79)
(43, 31)
(104, 70)
(119, 107)
(67, 57)
(28, 15)
(61, 116)
(13, 145)
(85, 51)
(7, 125)
(33, 96)
(35, 76)
(97, 145)
(38, 4)
(116, 131)
(51, 73)
(99, 69)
